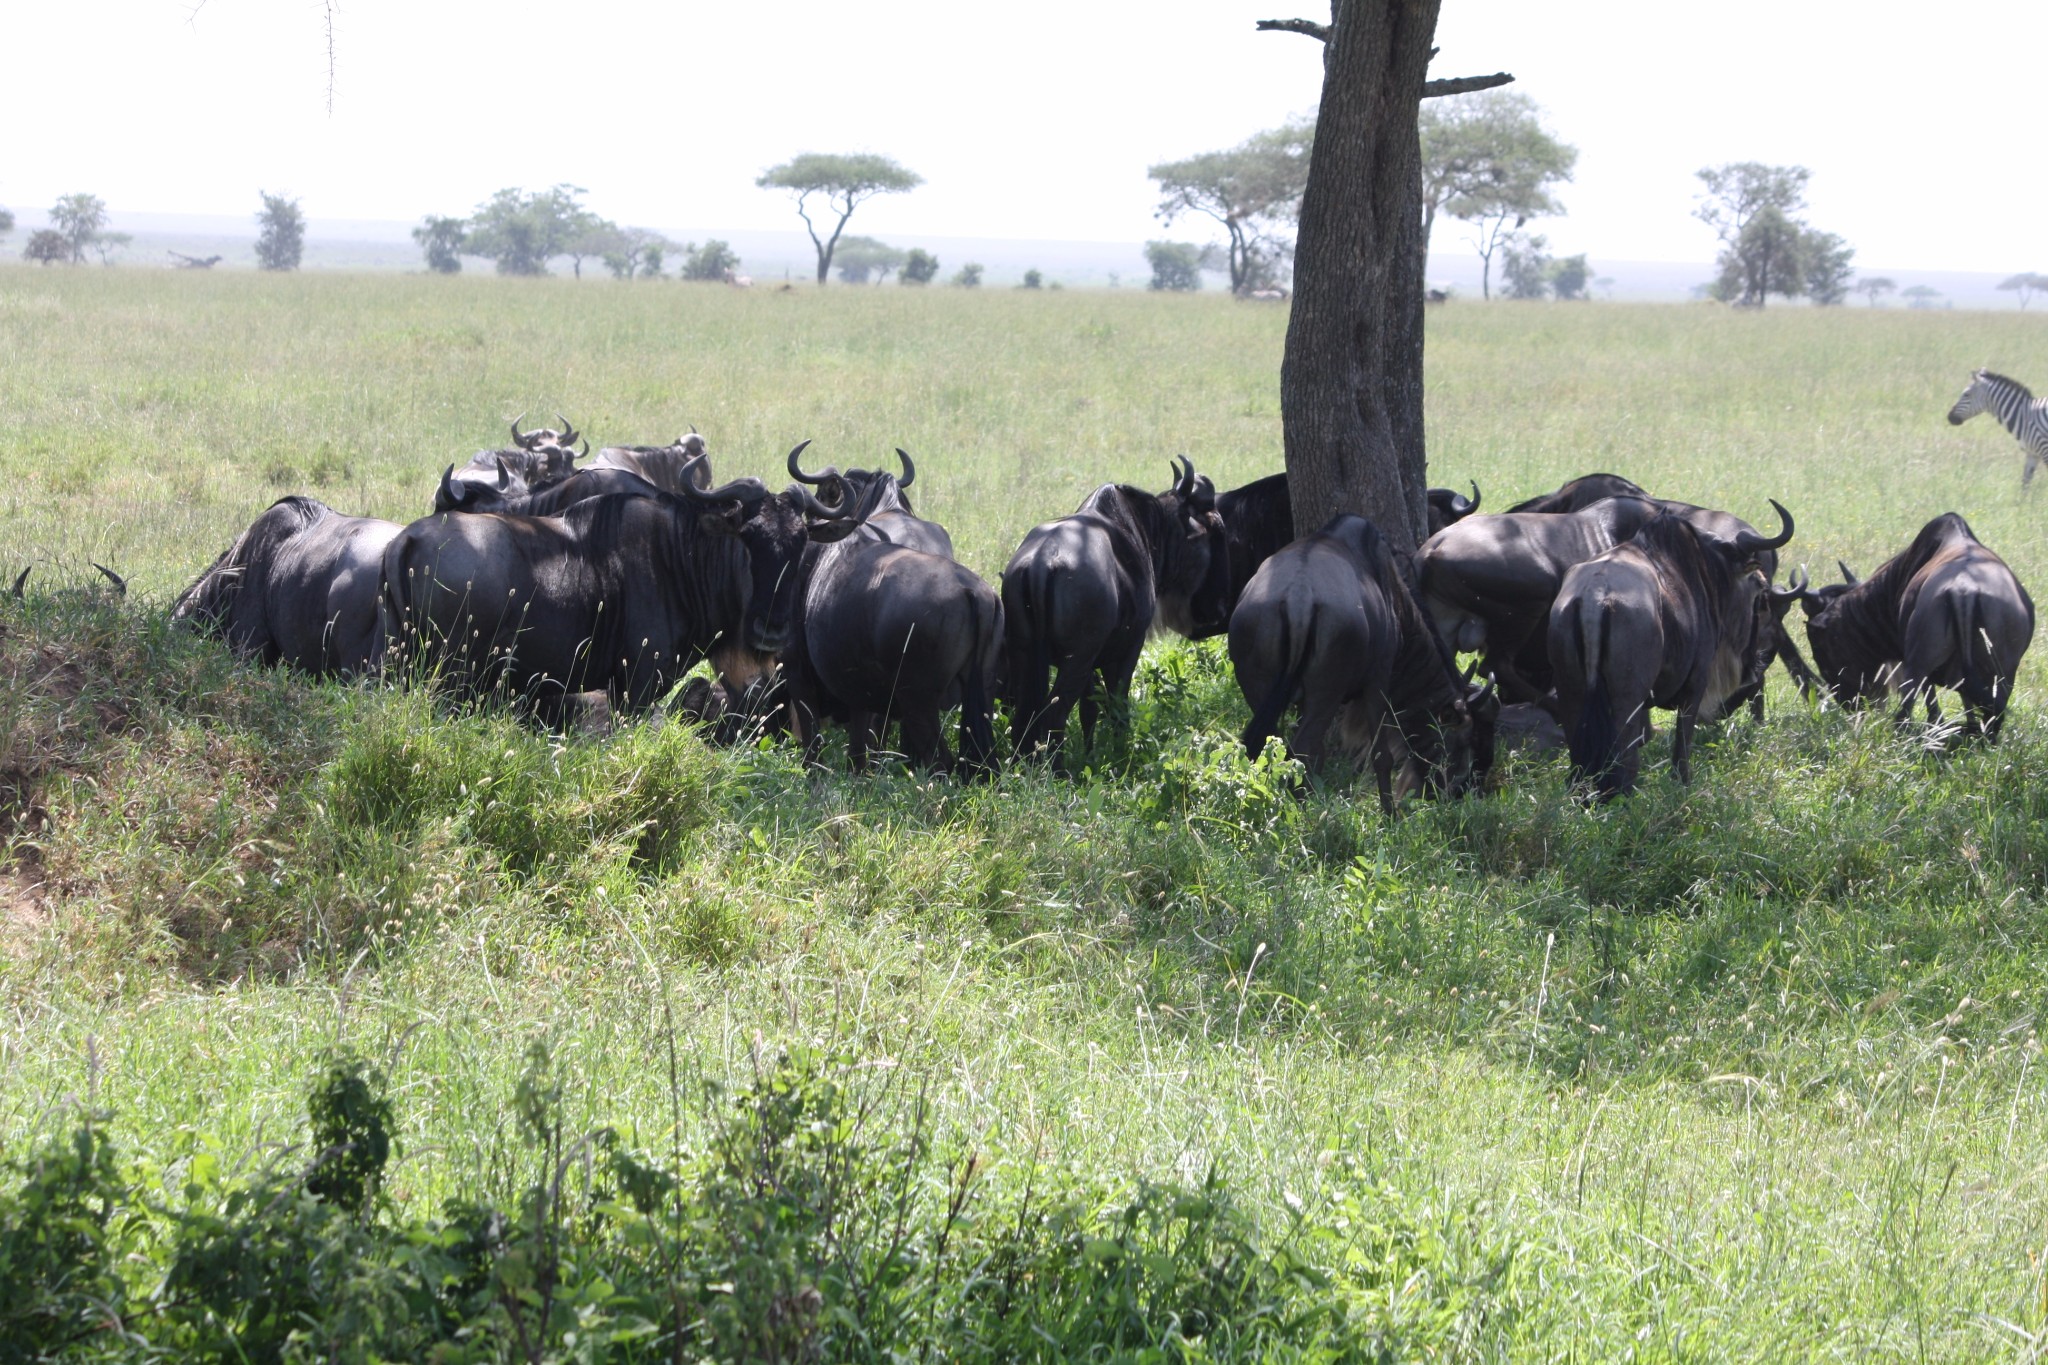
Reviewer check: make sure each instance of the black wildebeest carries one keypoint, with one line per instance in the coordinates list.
(1258, 519)
(1083, 592)
(300, 587)
(1575, 495)
(892, 518)
(549, 499)
(667, 467)
(1667, 618)
(1332, 619)
(534, 458)
(621, 595)
(1944, 612)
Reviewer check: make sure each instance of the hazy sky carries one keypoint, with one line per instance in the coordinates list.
(1027, 120)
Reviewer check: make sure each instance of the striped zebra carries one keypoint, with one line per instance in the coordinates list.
(2024, 415)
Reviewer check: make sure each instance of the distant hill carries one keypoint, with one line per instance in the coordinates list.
(377, 244)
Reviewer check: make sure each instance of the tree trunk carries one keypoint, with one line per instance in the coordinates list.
(1351, 382)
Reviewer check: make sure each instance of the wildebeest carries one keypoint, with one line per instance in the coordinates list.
(549, 499)
(300, 587)
(1332, 619)
(1575, 495)
(534, 457)
(667, 467)
(886, 633)
(621, 595)
(1081, 594)
(1667, 619)
(891, 518)
(1944, 612)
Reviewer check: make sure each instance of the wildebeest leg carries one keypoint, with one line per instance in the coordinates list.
(924, 743)
(1070, 685)
(1383, 772)
(1310, 740)
(1681, 743)
(860, 736)
(1116, 689)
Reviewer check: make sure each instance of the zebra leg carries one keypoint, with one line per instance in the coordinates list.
(2027, 474)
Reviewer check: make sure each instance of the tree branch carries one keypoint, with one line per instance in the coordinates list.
(1464, 85)
(1319, 32)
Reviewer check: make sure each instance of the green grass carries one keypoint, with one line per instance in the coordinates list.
(1745, 1071)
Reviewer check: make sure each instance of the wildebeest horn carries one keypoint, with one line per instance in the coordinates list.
(796, 470)
(504, 475)
(1464, 508)
(18, 582)
(909, 469)
(568, 436)
(1848, 574)
(1184, 475)
(1750, 541)
(120, 583)
(814, 509)
(1795, 586)
(747, 489)
(586, 452)
(518, 439)
(449, 493)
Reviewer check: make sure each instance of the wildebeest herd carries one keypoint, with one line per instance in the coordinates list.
(545, 577)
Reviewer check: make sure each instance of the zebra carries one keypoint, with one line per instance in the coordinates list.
(2024, 415)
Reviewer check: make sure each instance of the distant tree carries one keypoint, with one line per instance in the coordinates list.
(523, 231)
(281, 234)
(1766, 257)
(1824, 263)
(1525, 267)
(584, 234)
(6, 221)
(46, 245)
(860, 259)
(107, 245)
(2025, 286)
(1920, 295)
(1487, 160)
(1252, 189)
(442, 239)
(919, 266)
(1176, 266)
(638, 253)
(1875, 285)
(652, 255)
(1032, 280)
(843, 182)
(715, 260)
(969, 275)
(78, 218)
(1569, 277)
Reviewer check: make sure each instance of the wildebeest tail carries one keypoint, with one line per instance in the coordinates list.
(1266, 712)
(1594, 738)
(1985, 677)
(1027, 621)
(210, 600)
(977, 718)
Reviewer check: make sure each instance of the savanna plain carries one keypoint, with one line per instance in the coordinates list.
(684, 1052)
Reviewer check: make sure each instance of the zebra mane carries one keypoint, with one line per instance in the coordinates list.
(1994, 377)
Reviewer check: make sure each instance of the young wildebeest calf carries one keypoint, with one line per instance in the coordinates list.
(1945, 612)
(1333, 618)
(1665, 619)
(1081, 594)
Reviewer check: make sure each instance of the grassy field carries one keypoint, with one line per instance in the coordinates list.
(1738, 1072)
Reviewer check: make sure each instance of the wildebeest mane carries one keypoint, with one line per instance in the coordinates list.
(1865, 619)
(1258, 519)
(207, 602)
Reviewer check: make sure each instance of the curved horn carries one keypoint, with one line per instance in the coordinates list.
(1795, 586)
(517, 438)
(18, 582)
(1473, 506)
(504, 475)
(1184, 481)
(796, 469)
(568, 436)
(1848, 574)
(449, 494)
(1750, 541)
(818, 511)
(909, 469)
(120, 583)
(586, 452)
(747, 489)
(693, 428)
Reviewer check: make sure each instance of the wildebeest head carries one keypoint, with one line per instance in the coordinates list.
(472, 494)
(554, 450)
(1194, 585)
(1447, 506)
(1837, 656)
(773, 530)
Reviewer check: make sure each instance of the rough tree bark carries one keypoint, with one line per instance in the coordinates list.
(1351, 381)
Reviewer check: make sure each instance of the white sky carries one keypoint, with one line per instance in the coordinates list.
(1027, 120)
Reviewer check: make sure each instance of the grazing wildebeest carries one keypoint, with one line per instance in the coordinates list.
(892, 519)
(1944, 612)
(2014, 404)
(1081, 594)
(549, 499)
(1667, 619)
(620, 595)
(666, 467)
(1578, 494)
(887, 633)
(300, 587)
(1332, 619)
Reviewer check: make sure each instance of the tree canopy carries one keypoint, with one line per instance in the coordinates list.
(522, 231)
(1176, 266)
(2026, 286)
(78, 219)
(443, 240)
(281, 235)
(1766, 247)
(1488, 161)
(861, 258)
(1253, 190)
(1872, 286)
(844, 181)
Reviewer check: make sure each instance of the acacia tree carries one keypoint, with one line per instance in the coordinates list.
(2026, 286)
(1253, 190)
(281, 238)
(863, 258)
(844, 182)
(522, 231)
(1351, 380)
(1766, 248)
(1488, 160)
(78, 218)
(1872, 286)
